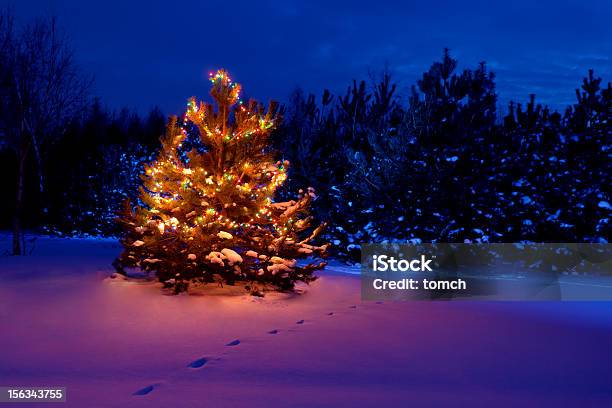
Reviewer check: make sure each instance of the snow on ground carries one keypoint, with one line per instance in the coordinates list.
(64, 323)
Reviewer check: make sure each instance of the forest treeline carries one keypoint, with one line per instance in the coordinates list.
(447, 166)
(444, 165)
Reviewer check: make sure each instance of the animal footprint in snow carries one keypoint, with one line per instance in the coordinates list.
(145, 390)
(273, 331)
(233, 343)
(353, 307)
(330, 314)
(300, 322)
(197, 363)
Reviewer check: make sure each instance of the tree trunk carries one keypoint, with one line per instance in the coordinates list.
(39, 168)
(17, 244)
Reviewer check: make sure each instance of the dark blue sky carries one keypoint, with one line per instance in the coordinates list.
(144, 53)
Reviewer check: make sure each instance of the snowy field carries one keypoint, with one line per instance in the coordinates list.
(116, 343)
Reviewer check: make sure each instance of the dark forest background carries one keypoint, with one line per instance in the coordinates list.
(445, 164)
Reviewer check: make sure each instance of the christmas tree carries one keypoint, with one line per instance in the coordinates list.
(206, 210)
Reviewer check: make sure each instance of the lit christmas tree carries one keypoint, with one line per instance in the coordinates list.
(207, 214)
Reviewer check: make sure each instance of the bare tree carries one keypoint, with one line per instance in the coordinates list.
(42, 90)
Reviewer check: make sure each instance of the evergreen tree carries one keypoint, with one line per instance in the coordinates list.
(448, 107)
(207, 214)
